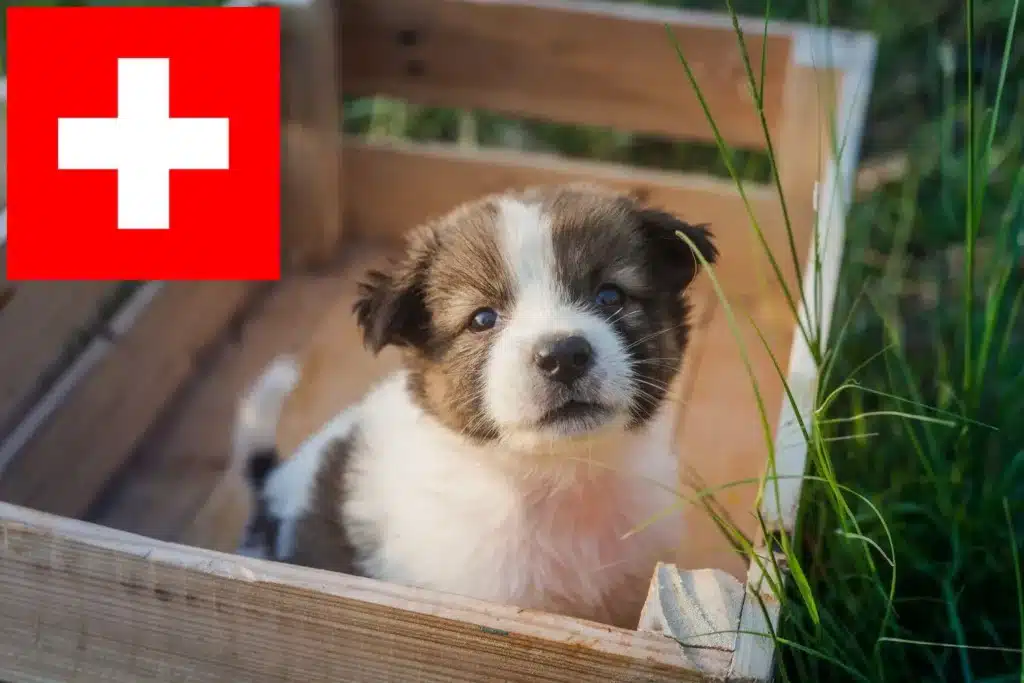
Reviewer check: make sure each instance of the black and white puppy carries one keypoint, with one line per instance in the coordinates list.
(528, 432)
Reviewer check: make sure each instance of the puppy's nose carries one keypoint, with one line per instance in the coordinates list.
(564, 359)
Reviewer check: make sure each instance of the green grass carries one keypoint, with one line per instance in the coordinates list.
(906, 562)
(908, 547)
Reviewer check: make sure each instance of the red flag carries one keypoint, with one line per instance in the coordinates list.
(143, 143)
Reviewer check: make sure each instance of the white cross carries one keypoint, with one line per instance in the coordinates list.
(143, 144)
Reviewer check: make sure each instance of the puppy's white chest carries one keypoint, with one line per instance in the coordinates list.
(561, 548)
(443, 514)
(585, 542)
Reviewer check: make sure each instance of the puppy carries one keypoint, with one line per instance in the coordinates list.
(527, 439)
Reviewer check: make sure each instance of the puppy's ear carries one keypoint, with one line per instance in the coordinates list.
(391, 308)
(673, 261)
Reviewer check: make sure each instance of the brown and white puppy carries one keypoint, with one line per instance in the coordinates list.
(528, 433)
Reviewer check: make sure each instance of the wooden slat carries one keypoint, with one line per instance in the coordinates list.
(803, 149)
(588, 63)
(185, 459)
(720, 438)
(66, 465)
(671, 596)
(38, 322)
(754, 653)
(187, 450)
(393, 186)
(3, 147)
(703, 302)
(310, 164)
(88, 603)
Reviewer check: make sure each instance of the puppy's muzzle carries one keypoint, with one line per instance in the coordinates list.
(563, 358)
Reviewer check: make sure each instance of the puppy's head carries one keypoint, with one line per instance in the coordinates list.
(537, 316)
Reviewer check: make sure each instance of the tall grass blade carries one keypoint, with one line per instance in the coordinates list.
(726, 155)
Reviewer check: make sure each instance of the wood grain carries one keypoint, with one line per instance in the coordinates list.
(699, 607)
(87, 603)
(311, 203)
(67, 464)
(803, 151)
(187, 450)
(38, 322)
(587, 63)
(393, 186)
(754, 653)
(3, 149)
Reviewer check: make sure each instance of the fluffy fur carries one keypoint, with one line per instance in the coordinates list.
(527, 434)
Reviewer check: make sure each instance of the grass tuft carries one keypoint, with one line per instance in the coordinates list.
(915, 435)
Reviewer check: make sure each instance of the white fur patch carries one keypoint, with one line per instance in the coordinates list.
(544, 308)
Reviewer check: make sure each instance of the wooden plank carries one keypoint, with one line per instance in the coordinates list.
(65, 465)
(713, 455)
(126, 306)
(89, 603)
(431, 179)
(803, 149)
(589, 63)
(187, 456)
(754, 652)
(311, 205)
(3, 146)
(699, 607)
(39, 321)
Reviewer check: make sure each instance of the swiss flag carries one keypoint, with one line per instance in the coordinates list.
(143, 143)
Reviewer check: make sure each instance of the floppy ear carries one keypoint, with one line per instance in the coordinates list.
(672, 260)
(391, 309)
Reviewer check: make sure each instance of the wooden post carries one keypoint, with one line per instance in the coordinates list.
(311, 202)
(802, 152)
(3, 152)
(698, 608)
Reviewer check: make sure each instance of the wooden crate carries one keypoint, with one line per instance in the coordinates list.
(120, 514)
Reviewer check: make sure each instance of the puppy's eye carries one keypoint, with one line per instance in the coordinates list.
(483, 319)
(609, 296)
